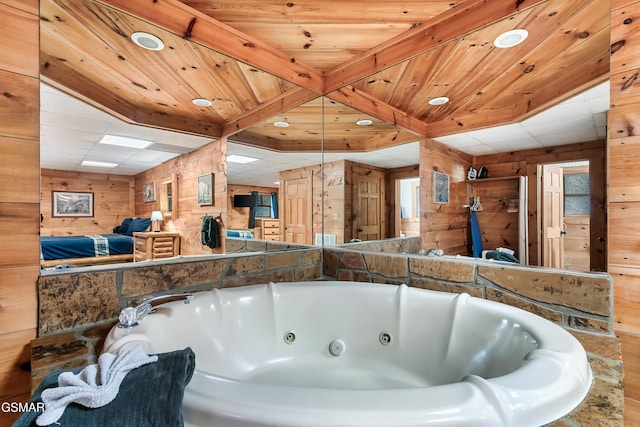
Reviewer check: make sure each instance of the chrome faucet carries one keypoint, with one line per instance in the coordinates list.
(130, 316)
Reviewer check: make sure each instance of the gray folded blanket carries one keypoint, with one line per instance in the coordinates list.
(150, 395)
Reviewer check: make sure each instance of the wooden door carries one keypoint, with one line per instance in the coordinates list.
(367, 207)
(297, 210)
(552, 217)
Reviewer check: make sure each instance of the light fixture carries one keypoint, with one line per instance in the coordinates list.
(147, 41)
(98, 164)
(156, 217)
(202, 102)
(281, 124)
(510, 38)
(364, 122)
(439, 100)
(235, 158)
(125, 141)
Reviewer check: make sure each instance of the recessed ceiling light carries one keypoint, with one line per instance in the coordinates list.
(281, 124)
(510, 38)
(147, 41)
(202, 102)
(440, 100)
(364, 122)
(123, 141)
(234, 158)
(98, 164)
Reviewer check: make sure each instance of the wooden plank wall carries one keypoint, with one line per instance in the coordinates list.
(623, 174)
(577, 250)
(19, 196)
(525, 162)
(112, 195)
(444, 226)
(576, 242)
(238, 218)
(210, 158)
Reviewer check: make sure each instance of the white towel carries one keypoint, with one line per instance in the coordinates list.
(94, 386)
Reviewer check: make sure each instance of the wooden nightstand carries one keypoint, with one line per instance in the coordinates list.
(155, 245)
(269, 229)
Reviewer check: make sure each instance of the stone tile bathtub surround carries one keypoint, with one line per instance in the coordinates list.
(68, 300)
(589, 293)
(578, 300)
(76, 308)
(436, 269)
(77, 297)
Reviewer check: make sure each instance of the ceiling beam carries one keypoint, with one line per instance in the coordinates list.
(258, 141)
(390, 139)
(277, 105)
(54, 70)
(364, 102)
(56, 73)
(298, 145)
(174, 16)
(456, 22)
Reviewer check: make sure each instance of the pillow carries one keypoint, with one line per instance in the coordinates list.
(139, 224)
(150, 395)
(122, 228)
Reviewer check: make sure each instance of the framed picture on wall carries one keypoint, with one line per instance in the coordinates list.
(440, 188)
(71, 204)
(149, 192)
(205, 189)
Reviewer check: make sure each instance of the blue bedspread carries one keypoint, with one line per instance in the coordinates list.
(245, 234)
(62, 247)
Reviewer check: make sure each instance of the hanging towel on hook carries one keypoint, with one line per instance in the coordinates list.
(210, 232)
(476, 236)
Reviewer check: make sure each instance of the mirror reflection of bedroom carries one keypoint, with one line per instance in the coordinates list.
(320, 195)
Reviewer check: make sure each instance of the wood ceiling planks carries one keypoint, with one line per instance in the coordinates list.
(259, 60)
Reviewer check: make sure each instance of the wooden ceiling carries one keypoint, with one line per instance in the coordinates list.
(323, 65)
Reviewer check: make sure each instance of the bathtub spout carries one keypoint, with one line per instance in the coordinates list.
(130, 316)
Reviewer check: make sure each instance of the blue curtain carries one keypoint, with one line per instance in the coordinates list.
(274, 205)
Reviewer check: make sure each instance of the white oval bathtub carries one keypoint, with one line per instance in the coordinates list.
(362, 354)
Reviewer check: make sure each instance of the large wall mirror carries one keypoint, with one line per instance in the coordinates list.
(355, 123)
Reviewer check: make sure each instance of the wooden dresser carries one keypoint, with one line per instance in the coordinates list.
(155, 245)
(267, 229)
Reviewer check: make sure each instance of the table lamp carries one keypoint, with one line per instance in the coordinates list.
(156, 217)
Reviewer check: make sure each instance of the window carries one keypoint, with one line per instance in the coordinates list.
(576, 194)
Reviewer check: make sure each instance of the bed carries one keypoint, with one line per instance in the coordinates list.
(93, 249)
(244, 234)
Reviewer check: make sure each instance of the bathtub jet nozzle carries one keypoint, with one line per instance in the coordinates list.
(337, 347)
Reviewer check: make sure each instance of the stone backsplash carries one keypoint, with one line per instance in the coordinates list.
(581, 301)
(72, 298)
(235, 245)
